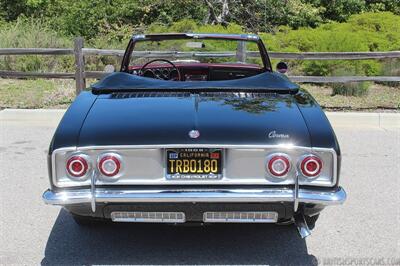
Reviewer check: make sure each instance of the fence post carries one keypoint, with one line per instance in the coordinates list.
(241, 51)
(79, 65)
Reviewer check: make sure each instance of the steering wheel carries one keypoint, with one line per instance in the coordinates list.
(141, 71)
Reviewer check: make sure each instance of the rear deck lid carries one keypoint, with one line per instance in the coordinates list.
(143, 118)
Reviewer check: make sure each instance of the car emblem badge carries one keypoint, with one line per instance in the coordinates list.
(194, 134)
(274, 135)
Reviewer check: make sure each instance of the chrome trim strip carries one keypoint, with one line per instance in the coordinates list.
(315, 196)
(162, 146)
(224, 146)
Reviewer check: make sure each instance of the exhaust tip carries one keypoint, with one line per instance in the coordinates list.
(301, 225)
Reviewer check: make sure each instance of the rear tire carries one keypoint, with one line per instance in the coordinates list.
(311, 220)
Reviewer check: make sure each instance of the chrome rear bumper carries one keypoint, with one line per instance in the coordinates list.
(319, 196)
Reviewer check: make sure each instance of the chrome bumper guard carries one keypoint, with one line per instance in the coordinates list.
(318, 196)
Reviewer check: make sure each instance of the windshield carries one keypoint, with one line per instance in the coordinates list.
(197, 51)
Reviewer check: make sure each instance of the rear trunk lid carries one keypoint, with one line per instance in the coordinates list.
(161, 118)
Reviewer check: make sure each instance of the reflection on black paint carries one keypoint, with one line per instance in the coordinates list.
(254, 105)
(304, 98)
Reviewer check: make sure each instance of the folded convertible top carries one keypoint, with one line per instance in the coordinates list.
(121, 81)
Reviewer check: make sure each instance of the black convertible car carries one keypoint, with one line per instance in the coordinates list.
(195, 128)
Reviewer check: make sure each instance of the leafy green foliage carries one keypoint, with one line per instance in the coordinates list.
(340, 10)
(266, 15)
(364, 32)
(89, 17)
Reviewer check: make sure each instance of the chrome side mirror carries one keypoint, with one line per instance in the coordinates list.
(282, 67)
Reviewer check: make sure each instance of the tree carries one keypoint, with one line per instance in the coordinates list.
(10, 10)
(88, 18)
(218, 12)
(340, 10)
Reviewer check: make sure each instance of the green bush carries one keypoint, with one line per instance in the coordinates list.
(364, 32)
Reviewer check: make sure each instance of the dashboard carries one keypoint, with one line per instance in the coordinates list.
(165, 73)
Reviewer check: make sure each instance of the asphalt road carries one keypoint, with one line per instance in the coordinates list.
(365, 230)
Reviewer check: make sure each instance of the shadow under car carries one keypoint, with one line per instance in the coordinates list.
(127, 243)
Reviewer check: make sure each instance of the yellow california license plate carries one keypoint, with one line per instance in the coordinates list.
(194, 163)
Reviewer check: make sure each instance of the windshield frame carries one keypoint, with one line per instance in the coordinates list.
(267, 66)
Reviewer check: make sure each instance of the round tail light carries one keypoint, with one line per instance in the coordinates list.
(77, 166)
(278, 165)
(109, 165)
(311, 166)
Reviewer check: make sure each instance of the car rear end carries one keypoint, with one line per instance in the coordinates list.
(248, 150)
(194, 183)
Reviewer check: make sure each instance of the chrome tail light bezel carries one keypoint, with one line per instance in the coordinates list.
(85, 162)
(280, 156)
(117, 159)
(302, 165)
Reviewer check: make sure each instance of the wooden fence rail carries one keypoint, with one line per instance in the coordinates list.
(273, 55)
(37, 51)
(80, 52)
